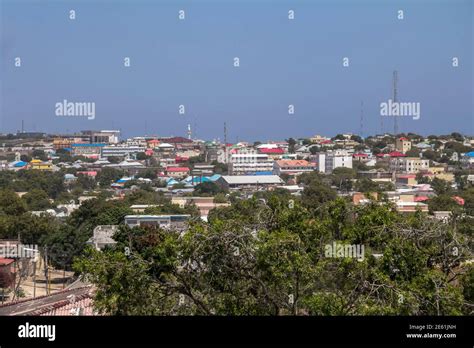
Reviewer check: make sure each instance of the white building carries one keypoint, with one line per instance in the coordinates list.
(328, 161)
(247, 163)
(408, 164)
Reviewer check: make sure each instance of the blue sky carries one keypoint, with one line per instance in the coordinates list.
(190, 62)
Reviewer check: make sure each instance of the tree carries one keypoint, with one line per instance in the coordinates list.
(315, 194)
(11, 204)
(108, 175)
(441, 186)
(207, 189)
(37, 199)
(291, 145)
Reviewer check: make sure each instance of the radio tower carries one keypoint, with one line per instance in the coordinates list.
(395, 99)
(362, 119)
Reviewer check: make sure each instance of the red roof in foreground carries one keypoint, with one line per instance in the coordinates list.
(459, 200)
(5, 262)
(177, 169)
(421, 198)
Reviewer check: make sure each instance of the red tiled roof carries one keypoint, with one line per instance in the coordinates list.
(177, 169)
(403, 138)
(459, 200)
(396, 154)
(360, 155)
(421, 198)
(6, 262)
(276, 150)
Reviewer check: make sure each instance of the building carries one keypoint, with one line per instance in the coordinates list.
(409, 164)
(92, 150)
(403, 145)
(467, 160)
(272, 152)
(249, 182)
(177, 172)
(249, 163)
(40, 165)
(293, 167)
(121, 151)
(103, 236)
(330, 160)
(163, 221)
(204, 204)
(7, 273)
(103, 136)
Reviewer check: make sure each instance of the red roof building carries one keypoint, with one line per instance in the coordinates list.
(396, 154)
(272, 151)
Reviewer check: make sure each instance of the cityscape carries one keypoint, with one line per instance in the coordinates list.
(303, 164)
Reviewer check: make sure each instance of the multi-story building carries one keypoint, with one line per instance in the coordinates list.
(403, 145)
(293, 167)
(249, 163)
(330, 160)
(103, 136)
(409, 164)
(121, 151)
(87, 150)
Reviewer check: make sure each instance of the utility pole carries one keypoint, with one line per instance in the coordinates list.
(225, 142)
(362, 119)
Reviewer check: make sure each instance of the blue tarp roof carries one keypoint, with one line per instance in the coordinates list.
(470, 154)
(20, 164)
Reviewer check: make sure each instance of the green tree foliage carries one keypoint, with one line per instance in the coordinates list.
(36, 199)
(266, 256)
(207, 189)
(108, 175)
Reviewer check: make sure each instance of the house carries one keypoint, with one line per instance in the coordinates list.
(293, 167)
(40, 165)
(177, 172)
(406, 179)
(204, 204)
(359, 198)
(7, 273)
(403, 145)
(249, 182)
(103, 236)
(163, 221)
